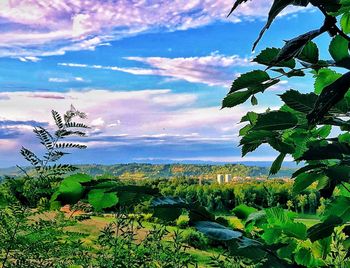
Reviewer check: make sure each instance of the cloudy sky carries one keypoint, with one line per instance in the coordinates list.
(150, 74)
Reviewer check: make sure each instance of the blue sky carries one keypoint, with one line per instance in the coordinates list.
(150, 75)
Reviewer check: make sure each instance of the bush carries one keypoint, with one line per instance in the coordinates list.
(182, 222)
(195, 239)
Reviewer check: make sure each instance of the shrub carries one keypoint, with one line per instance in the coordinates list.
(182, 222)
(195, 239)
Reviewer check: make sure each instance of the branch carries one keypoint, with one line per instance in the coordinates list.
(331, 23)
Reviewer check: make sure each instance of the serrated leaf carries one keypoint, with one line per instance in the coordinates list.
(323, 229)
(345, 22)
(309, 53)
(250, 147)
(330, 96)
(233, 99)
(249, 79)
(277, 7)
(269, 54)
(304, 180)
(303, 103)
(275, 120)
(295, 229)
(339, 48)
(325, 77)
(294, 47)
(339, 207)
(276, 165)
(308, 168)
(304, 257)
(255, 136)
(333, 150)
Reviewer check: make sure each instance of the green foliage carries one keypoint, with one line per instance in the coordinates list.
(300, 128)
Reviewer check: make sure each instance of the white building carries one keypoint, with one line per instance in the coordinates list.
(228, 178)
(220, 178)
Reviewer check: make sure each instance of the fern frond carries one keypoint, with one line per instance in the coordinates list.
(70, 145)
(44, 136)
(59, 169)
(76, 125)
(54, 155)
(58, 119)
(65, 133)
(31, 157)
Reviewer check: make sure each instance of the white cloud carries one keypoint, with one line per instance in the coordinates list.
(65, 80)
(40, 28)
(214, 69)
(29, 58)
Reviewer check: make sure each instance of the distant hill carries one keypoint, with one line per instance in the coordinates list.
(156, 171)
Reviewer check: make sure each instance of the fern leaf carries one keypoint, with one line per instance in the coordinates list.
(76, 125)
(58, 119)
(31, 158)
(69, 145)
(44, 136)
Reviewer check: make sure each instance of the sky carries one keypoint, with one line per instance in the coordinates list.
(150, 75)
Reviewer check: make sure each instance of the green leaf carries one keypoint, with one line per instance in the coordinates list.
(322, 247)
(236, 4)
(309, 53)
(324, 77)
(233, 99)
(339, 49)
(339, 207)
(216, 231)
(256, 216)
(254, 100)
(79, 177)
(250, 147)
(338, 172)
(287, 251)
(345, 22)
(168, 208)
(281, 146)
(250, 117)
(271, 235)
(335, 150)
(303, 103)
(255, 136)
(243, 211)
(323, 229)
(100, 200)
(294, 47)
(277, 216)
(250, 79)
(304, 257)
(70, 192)
(276, 165)
(277, 7)
(295, 229)
(269, 54)
(276, 120)
(167, 214)
(304, 180)
(330, 96)
(315, 167)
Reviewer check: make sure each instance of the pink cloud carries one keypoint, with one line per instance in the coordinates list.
(214, 69)
(56, 26)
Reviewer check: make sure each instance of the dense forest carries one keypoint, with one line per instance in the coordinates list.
(167, 171)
